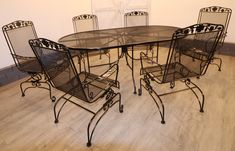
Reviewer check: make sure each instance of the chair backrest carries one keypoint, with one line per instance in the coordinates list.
(216, 15)
(136, 18)
(191, 51)
(17, 35)
(58, 65)
(85, 22)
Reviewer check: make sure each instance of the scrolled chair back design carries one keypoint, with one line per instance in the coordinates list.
(45, 43)
(137, 13)
(84, 17)
(216, 9)
(198, 28)
(17, 24)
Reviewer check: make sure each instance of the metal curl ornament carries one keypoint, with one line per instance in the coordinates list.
(147, 84)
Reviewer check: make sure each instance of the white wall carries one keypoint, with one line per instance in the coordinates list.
(182, 13)
(53, 18)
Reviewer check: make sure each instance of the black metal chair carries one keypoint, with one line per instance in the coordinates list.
(136, 18)
(87, 22)
(17, 35)
(216, 15)
(88, 88)
(199, 42)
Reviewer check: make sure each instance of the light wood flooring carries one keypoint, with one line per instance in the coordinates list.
(27, 123)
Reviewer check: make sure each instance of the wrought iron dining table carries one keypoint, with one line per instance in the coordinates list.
(123, 38)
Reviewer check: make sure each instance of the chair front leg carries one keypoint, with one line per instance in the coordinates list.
(101, 112)
(188, 83)
(145, 82)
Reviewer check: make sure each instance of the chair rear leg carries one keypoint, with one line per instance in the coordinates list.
(219, 65)
(36, 81)
(57, 113)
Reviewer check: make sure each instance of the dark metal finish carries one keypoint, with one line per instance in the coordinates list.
(123, 38)
(190, 53)
(88, 22)
(216, 15)
(136, 18)
(59, 67)
(85, 22)
(17, 35)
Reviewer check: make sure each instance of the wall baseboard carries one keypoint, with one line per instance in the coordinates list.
(11, 73)
(227, 49)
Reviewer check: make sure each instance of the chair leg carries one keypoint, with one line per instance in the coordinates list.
(219, 64)
(36, 81)
(57, 113)
(188, 83)
(144, 82)
(101, 112)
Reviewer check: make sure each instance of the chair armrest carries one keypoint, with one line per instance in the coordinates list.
(105, 76)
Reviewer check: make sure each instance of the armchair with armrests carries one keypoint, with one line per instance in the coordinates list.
(82, 89)
(179, 66)
(216, 15)
(17, 35)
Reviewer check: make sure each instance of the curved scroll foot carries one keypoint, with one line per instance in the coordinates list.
(56, 121)
(139, 92)
(53, 98)
(121, 108)
(135, 91)
(88, 144)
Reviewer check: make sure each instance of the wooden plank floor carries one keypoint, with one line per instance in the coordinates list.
(27, 123)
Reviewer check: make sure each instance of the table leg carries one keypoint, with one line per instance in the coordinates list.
(132, 68)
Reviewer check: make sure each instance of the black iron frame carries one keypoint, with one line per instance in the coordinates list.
(108, 93)
(37, 79)
(217, 9)
(147, 77)
(94, 18)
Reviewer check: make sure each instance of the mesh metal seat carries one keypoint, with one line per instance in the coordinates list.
(216, 15)
(17, 35)
(87, 22)
(88, 88)
(199, 42)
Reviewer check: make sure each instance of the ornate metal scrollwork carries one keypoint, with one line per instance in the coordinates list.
(45, 43)
(187, 82)
(91, 95)
(147, 84)
(198, 28)
(137, 13)
(36, 78)
(84, 17)
(109, 96)
(216, 9)
(17, 24)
